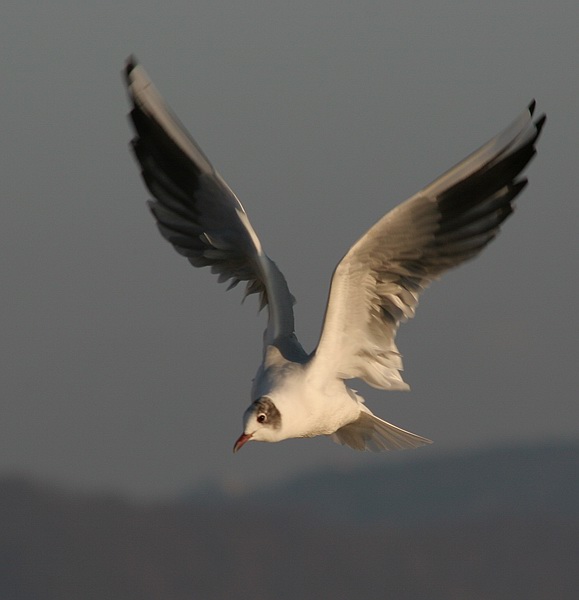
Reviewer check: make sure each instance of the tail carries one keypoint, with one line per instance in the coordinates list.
(369, 432)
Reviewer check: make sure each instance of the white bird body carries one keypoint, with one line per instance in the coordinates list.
(310, 405)
(374, 288)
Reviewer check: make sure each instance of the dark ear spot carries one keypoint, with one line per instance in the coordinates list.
(265, 408)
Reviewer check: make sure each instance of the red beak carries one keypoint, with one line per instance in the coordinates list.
(244, 437)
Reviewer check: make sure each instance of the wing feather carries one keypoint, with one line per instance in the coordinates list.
(377, 284)
(196, 211)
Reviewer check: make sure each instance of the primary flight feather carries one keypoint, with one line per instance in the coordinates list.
(374, 287)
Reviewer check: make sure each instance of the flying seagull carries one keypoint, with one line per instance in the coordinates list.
(374, 288)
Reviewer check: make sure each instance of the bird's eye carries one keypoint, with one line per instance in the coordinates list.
(261, 418)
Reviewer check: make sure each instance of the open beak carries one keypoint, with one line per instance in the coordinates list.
(244, 437)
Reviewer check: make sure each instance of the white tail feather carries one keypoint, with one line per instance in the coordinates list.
(369, 432)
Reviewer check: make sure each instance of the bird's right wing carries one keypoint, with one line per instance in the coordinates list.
(195, 209)
(377, 284)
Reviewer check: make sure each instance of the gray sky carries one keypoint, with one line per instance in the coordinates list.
(124, 368)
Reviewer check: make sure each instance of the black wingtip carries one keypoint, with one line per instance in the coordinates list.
(532, 105)
(540, 122)
(130, 64)
(518, 187)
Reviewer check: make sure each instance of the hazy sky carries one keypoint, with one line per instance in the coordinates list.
(124, 368)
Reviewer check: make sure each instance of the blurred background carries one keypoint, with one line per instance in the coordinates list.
(125, 372)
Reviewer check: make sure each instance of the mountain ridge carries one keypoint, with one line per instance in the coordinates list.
(57, 544)
(523, 480)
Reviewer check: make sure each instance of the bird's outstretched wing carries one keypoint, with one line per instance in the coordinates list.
(195, 209)
(378, 282)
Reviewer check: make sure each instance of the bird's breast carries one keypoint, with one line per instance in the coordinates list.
(315, 411)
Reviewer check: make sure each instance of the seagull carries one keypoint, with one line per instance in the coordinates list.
(374, 287)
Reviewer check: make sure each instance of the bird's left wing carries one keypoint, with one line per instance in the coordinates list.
(196, 210)
(377, 284)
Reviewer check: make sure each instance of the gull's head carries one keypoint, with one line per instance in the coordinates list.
(261, 423)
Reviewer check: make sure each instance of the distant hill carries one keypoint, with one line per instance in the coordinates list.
(522, 481)
(498, 525)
